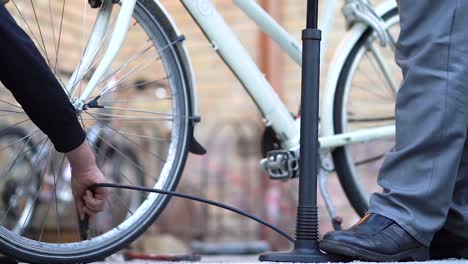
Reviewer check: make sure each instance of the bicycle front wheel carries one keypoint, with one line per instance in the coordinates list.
(146, 111)
(365, 98)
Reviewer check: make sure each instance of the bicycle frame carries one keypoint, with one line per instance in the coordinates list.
(230, 49)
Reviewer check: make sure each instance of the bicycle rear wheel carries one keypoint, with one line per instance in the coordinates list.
(365, 98)
(18, 201)
(147, 111)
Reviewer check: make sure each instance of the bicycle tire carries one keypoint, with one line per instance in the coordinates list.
(156, 26)
(345, 167)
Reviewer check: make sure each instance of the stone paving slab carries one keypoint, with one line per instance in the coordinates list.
(117, 259)
(254, 259)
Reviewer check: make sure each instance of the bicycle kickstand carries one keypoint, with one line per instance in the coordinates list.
(326, 166)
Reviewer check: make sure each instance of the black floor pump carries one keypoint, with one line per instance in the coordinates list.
(306, 244)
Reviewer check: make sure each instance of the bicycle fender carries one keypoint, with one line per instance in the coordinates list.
(338, 62)
(171, 28)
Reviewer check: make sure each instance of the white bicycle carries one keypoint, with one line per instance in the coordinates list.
(128, 58)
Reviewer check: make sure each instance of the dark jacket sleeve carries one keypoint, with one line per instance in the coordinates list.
(26, 74)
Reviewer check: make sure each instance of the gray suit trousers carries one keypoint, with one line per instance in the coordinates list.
(425, 177)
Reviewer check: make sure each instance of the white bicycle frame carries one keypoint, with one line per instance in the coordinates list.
(228, 46)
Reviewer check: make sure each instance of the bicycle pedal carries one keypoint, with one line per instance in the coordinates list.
(281, 164)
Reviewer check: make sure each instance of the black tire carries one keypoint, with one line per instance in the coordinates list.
(343, 164)
(155, 24)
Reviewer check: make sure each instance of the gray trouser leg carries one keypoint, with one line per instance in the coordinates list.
(419, 175)
(457, 219)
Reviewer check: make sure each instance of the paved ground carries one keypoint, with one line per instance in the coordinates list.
(250, 259)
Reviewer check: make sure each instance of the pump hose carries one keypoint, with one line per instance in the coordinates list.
(194, 198)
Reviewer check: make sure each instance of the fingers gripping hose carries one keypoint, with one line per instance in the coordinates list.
(84, 224)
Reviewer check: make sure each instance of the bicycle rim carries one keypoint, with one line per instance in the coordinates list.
(365, 98)
(147, 112)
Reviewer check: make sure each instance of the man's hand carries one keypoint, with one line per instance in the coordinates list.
(85, 173)
(86, 202)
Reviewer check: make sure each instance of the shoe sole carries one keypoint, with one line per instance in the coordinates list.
(333, 247)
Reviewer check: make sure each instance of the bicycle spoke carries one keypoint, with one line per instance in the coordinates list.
(12, 111)
(83, 41)
(372, 91)
(156, 56)
(382, 70)
(29, 27)
(77, 226)
(96, 59)
(115, 85)
(56, 182)
(121, 202)
(101, 153)
(44, 222)
(118, 151)
(111, 208)
(53, 31)
(57, 51)
(369, 160)
(371, 87)
(77, 80)
(133, 110)
(49, 205)
(45, 140)
(142, 84)
(8, 103)
(21, 139)
(139, 53)
(10, 126)
(374, 87)
(110, 117)
(77, 218)
(40, 32)
(140, 100)
(128, 139)
(154, 139)
(40, 187)
(18, 156)
(54, 67)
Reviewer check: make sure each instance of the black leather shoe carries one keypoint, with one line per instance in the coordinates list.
(447, 245)
(375, 238)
